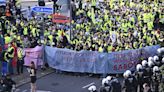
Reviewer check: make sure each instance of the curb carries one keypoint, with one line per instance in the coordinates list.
(28, 79)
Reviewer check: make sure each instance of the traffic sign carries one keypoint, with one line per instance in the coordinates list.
(2, 2)
(40, 9)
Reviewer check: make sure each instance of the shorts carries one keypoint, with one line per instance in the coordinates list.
(33, 79)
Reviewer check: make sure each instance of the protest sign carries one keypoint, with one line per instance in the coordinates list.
(35, 55)
(95, 62)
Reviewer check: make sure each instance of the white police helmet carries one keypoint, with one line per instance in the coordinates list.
(92, 88)
(104, 81)
(155, 68)
(156, 58)
(124, 74)
(144, 63)
(163, 60)
(159, 50)
(128, 73)
(162, 49)
(138, 67)
(150, 59)
(150, 63)
(109, 78)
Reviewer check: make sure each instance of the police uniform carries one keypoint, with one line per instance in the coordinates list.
(140, 79)
(130, 84)
(105, 89)
(105, 86)
(156, 81)
(147, 73)
(115, 85)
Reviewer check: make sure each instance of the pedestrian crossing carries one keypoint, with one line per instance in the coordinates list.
(19, 90)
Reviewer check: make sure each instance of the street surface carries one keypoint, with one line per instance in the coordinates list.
(62, 83)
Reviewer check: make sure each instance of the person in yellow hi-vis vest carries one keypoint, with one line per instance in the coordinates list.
(10, 52)
(20, 61)
(25, 31)
(7, 38)
(33, 32)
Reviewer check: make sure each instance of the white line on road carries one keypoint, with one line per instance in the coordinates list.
(24, 90)
(88, 85)
(17, 90)
(42, 91)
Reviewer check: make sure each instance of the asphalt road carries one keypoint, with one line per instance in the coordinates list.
(62, 83)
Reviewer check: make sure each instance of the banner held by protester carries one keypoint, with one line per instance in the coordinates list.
(35, 55)
(94, 62)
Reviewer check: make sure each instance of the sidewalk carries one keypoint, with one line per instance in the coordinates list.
(25, 78)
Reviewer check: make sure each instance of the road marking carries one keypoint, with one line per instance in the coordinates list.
(17, 90)
(42, 91)
(24, 90)
(88, 85)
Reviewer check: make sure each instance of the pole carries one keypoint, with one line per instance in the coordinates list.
(70, 5)
(54, 7)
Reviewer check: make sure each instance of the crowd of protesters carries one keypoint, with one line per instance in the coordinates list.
(148, 77)
(117, 25)
(104, 27)
(108, 26)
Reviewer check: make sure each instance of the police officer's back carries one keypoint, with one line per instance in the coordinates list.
(139, 76)
(129, 83)
(156, 78)
(105, 86)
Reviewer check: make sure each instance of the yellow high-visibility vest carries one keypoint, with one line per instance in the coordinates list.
(20, 53)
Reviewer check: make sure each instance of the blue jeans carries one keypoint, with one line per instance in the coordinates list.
(10, 67)
(4, 68)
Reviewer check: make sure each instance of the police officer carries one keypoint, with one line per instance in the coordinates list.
(162, 80)
(92, 88)
(160, 52)
(162, 61)
(114, 84)
(157, 61)
(139, 77)
(105, 86)
(129, 82)
(151, 65)
(147, 73)
(156, 78)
